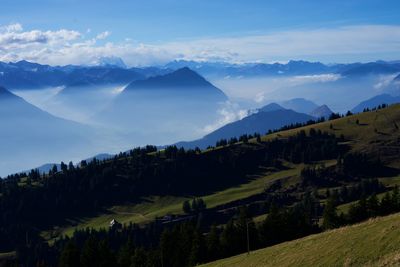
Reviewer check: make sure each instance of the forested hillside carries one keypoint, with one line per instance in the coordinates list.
(306, 174)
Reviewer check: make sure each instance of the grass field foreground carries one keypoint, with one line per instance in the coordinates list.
(375, 242)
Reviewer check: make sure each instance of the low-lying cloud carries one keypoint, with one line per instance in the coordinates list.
(229, 112)
(318, 78)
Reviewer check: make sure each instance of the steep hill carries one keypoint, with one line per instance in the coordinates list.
(372, 243)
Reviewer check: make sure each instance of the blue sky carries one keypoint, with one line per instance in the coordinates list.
(152, 29)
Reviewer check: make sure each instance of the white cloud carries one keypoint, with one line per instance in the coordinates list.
(16, 27)
(13, 38)
(103, 35)
(70, 47)
(229, 112)
(318, 78)
(384, 81)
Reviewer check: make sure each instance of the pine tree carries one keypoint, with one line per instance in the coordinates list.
(396, 198)
(197, 253)
(90, 253)
(373, 206)
(139, 258)
(213, 244)
(69, 256)
(125, 254)
(229, 240)
(194, 205)
(201, 205)
(330, 217)
(186, 207)
(105, 255)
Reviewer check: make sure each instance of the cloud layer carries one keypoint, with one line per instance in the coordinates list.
(72, 47)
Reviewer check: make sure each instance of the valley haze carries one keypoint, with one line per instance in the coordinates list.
(121, 107)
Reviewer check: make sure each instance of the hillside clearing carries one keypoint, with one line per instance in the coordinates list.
(157, 206)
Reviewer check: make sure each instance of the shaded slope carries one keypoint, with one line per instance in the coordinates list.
(26, 128)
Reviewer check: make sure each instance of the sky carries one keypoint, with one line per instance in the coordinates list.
(152, 32)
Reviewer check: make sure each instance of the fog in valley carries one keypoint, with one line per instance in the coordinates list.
(110, 118)
(328, 89)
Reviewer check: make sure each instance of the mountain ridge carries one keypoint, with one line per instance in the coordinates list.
(27, 75)
(259, 122)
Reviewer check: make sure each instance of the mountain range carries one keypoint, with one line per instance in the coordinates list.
(28, 75)
(293, 67)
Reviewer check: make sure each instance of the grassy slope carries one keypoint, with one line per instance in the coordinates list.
(363, 135)
(372, 243)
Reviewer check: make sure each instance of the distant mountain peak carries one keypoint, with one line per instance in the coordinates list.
(186, 72)
(183, 78)
(301, 105)
(111, 62)
(321, 111)
(271, 107)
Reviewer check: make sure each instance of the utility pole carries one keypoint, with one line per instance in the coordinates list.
(162, 258)
(248, 238)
